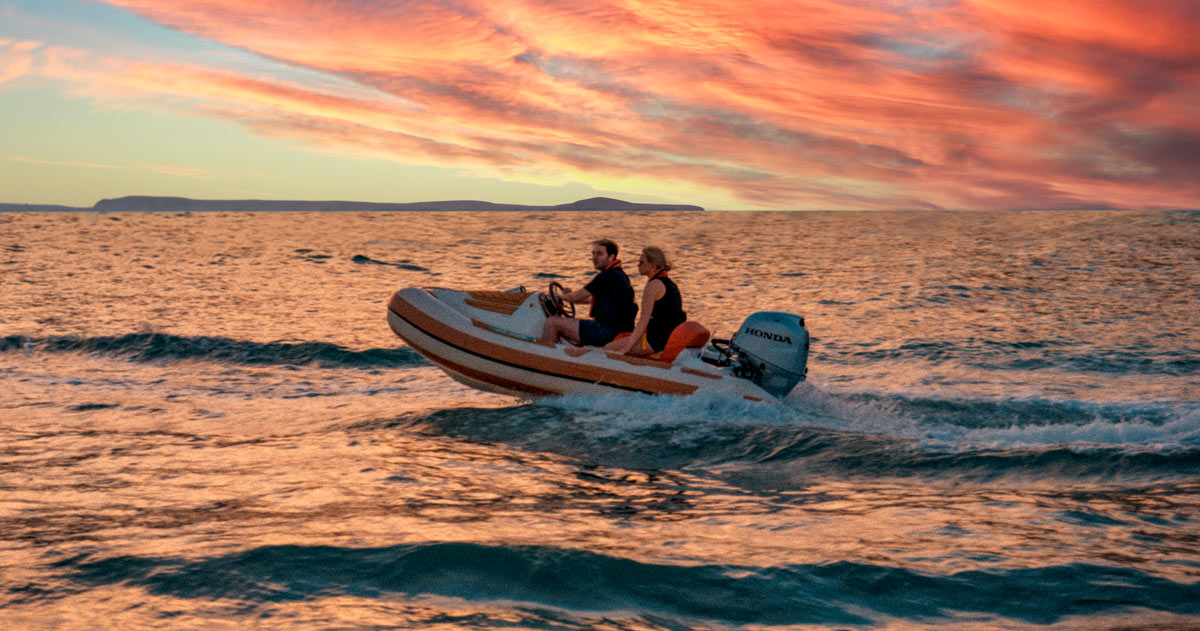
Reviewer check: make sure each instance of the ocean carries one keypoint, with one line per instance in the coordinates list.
(206, 423)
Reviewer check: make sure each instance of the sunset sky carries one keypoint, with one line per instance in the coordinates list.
(753, 104)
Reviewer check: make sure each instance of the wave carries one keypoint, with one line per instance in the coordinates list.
(587, 583)
(150, 347)
(404, 265)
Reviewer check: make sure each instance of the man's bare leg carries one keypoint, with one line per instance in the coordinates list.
(559, 327)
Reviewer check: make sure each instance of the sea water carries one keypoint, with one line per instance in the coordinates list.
(206, 423)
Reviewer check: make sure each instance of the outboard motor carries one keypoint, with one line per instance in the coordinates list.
(770, 349)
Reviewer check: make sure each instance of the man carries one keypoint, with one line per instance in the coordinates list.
(613, 309)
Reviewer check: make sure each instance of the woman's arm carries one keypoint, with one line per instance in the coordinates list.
(653, 291)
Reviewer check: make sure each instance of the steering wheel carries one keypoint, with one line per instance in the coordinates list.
(556, 292)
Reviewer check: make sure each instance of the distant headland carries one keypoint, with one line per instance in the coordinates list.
(144, 203)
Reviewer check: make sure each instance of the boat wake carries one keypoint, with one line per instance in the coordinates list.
(769, 445)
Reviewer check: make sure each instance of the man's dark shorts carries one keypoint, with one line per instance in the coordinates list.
(592, 333)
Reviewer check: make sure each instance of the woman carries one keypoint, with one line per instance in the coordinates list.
(662, 308)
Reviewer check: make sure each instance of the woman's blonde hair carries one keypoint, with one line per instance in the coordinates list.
(655, 256)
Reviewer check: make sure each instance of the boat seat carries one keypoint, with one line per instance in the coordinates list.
(690, 334)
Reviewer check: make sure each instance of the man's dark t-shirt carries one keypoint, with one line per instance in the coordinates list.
(612, 299)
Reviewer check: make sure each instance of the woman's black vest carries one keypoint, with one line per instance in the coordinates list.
(667, 314)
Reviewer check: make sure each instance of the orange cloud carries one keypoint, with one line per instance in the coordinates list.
(764, 103)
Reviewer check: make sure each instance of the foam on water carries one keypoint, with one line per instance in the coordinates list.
(937, 423)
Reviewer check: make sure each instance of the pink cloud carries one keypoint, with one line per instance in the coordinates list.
(819, 103)
(16, 58)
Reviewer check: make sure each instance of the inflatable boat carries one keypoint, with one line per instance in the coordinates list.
(489, 340)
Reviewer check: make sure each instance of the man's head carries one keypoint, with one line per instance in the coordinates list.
(604, 251)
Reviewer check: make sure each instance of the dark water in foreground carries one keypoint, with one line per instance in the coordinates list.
(205, 423)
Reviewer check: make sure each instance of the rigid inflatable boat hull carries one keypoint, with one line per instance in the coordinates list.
(486, 348)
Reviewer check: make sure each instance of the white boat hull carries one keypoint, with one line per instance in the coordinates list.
(478, 342)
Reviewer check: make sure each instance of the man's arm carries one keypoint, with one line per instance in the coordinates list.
(577, 296)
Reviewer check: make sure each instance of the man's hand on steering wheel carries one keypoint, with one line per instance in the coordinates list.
(557, 301)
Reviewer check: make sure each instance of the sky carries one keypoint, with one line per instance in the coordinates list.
(753, 104)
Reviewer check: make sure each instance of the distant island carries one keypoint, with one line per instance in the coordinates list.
(143, 203)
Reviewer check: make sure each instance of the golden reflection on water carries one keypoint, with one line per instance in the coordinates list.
(870, 283)
(195, 457)
(217, 486)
